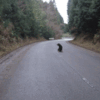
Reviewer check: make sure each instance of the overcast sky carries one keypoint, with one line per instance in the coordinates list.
(62, 8)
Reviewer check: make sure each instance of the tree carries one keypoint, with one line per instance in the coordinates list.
(84, 16)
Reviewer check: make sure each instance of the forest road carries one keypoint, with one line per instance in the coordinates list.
(43, 73)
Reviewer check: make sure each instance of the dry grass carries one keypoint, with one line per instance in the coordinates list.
(7, 47)
(87, 44)
(8, 42)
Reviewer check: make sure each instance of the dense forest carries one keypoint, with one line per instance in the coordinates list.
(25, 21)
(84, 19)
(28, 18)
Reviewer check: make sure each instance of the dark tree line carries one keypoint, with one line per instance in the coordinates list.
(27, 18)
(84, 16)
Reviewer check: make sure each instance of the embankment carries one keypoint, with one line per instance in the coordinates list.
(93, 44)
(6, 47)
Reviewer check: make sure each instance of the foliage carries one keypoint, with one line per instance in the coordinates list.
(47, 32)
(66, 28)
(84, 15)
(28, 18)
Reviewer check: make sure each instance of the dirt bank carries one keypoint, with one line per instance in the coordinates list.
(87, 44)
(7, 48)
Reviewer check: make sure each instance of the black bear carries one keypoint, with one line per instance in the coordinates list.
(60, 47)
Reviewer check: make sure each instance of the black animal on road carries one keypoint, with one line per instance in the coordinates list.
(60, 47)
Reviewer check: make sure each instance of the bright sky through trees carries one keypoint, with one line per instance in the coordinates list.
(62, 8)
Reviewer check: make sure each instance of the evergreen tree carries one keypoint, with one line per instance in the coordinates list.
(84, 16)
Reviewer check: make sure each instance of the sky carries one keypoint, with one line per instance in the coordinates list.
(62, 8)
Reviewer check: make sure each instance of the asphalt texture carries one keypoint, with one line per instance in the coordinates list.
(43, 73)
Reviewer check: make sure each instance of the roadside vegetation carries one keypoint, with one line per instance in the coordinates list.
(65, 35)
(26, 21)
(84, 23)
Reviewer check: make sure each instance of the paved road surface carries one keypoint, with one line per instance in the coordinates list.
(42, 73)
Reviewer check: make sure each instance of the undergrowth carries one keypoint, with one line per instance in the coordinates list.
(93, 44)
(7, 47)
(9, 41)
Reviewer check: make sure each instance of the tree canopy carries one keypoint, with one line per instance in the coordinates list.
(29, 18)
(84, 16)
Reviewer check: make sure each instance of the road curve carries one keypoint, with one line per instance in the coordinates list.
(43, 73)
